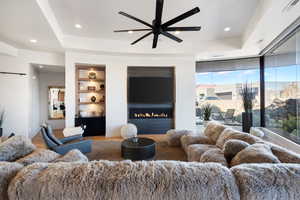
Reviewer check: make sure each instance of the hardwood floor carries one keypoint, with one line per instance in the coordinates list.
(39, 141)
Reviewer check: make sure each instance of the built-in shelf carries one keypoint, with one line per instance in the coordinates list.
(88, 113)
(92, 80)
(87, 103)
(90, 91)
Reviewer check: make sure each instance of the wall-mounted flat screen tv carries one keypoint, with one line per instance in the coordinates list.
(151, 90)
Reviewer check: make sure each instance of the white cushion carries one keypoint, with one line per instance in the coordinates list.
(73, 131)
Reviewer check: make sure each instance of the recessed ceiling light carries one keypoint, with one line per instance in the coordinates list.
(33, 40)
(78, 26)
(260, 41)
(177, 32)
(227, 29)
(41, 66)
(217, 55)
(130, 32)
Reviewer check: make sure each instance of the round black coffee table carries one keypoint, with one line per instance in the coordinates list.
(138, 148)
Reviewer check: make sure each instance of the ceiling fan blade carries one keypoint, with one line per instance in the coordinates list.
(181, 17)
(171, 36)
(144, 36)
(192, 28)
(155, 40)
(133, 30)
(136, 19)
(159, 11)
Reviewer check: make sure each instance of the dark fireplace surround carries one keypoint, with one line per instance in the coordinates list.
(155, 116)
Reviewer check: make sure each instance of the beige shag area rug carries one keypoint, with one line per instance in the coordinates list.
(111, 150)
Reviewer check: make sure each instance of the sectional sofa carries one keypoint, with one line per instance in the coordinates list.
(221, 144)
(72, 177)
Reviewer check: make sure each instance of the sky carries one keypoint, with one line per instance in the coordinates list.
(278, 74)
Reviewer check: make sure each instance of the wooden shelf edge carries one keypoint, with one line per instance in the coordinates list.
(92, 80)
(87, 103)
(90, 91)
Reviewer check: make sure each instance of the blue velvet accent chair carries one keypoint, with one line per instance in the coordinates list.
(63, 146)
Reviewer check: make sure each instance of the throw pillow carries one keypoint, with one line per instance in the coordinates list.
(39, 155)
(195, 151)
(232, 147)
(173, 137)
(256, 153)
(213, 130)
(285, 155)
(15, 147)
(187, 140)
(214, 155)
(73, 156)
(229, 134)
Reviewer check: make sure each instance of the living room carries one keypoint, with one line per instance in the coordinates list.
(161, 99)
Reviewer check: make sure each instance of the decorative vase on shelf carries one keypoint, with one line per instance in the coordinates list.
(93, 99)
(92, 75)
(91, 88)
(102, 86)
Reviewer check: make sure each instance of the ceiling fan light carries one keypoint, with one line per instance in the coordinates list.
(177, 32)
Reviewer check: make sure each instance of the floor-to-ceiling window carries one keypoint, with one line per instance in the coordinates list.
(282, 91)
(219, 83)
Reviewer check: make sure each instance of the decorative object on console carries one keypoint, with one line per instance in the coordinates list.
(2, 114)
(102, 86)
(248, 97)
(91, 88)
(129, 131)
(93, 99)
(92, 75)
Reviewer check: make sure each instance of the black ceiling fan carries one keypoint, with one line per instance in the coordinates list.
(157, 27)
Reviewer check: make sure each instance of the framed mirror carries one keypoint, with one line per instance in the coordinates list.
(56, 102)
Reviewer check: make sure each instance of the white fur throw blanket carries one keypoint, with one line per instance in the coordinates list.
(105, 180)
(7, 172)
(268, 181)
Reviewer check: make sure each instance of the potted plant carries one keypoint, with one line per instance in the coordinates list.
(207, 110)
(248, 97)
(1, 121)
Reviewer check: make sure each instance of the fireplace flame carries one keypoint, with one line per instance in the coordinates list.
(150, 115)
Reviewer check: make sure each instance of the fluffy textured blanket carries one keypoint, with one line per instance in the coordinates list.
(155, 180)
(268, 181)
(7, 172)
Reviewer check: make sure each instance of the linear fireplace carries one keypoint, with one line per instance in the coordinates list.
(151, 99)
(150, 113)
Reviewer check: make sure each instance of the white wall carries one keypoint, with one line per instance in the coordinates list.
(47, 79)
(16, 92)
(34, 99)
(116, 87)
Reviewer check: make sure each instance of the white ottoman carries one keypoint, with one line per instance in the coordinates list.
(128, 131)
